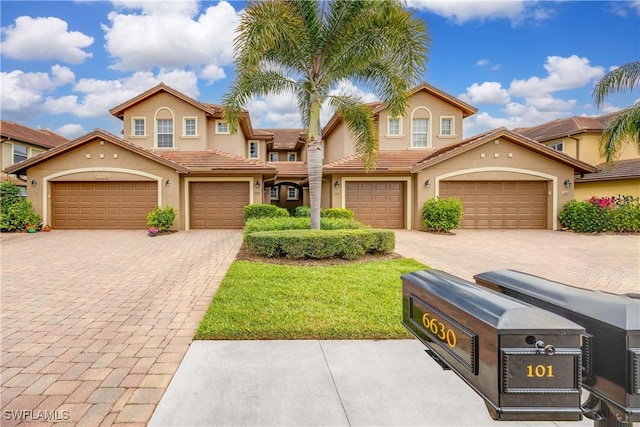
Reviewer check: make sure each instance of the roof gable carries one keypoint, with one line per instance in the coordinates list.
(21, 167)
(490, 136)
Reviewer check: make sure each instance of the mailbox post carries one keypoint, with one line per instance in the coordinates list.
(611, 345)
(522, 360)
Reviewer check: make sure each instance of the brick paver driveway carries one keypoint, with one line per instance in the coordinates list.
(604, 262)
(95, 323)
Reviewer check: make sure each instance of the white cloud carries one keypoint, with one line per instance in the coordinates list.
(169, 35)
(71, 130)
(564, 73)
(274, 111)
(62, 76)
(487, 93)
(31, 39)
(22, 91)
(462, 11)
(212, 73)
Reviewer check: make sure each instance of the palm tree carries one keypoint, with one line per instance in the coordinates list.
(624, 127)
(307, 47)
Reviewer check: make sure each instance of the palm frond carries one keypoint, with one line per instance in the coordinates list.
(626, 77)
(359, 120)
(622, 129)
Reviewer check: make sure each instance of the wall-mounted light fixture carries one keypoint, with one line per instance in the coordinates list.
(336, 184)
(167, 183)
(34, 182)
(257, 184)
(567, 183)
(427, 183)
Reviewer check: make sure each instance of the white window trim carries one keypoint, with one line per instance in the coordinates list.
(297, 195)
(13, 153)
(277, 197)
(453, 127)
(271, 153)
(429, 128)
(133, 127)
(173, 127)
(257, 150)
(222, 122)
(400, 132)
(295, 155)
(184, 127)
(556, 144)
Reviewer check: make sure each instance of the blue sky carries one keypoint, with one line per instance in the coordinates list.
(520, 63)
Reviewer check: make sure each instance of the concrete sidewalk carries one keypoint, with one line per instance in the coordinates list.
(320, 383)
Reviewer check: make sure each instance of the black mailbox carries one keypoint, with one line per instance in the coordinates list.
(522, 360)
(611, 360)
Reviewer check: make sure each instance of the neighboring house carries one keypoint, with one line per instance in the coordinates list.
(178, 151)
(20, 143)
(579, 137)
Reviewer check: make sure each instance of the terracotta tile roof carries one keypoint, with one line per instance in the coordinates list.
(386, 161)
(4, 177)
(21, 167)
(621, 169)
(286, 139)
(42, 138)
(291, 169)
(502, 132)
(566, 127)
(215, 160)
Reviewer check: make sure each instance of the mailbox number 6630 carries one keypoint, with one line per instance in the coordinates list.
(439, 330)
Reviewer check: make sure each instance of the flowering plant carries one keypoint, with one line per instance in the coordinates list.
(152, 231)
(603, 202)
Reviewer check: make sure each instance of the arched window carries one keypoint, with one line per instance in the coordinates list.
(420, 128)
(164, 128)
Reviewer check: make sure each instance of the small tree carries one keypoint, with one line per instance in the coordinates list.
(442, 215)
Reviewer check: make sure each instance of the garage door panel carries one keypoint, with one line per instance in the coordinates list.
(102, 205)
(218, 204)
(498, 204)
(379, 204)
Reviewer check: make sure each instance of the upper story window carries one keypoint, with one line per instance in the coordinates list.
(222, 127)
(292, 193)
(254, 150)
(394, 126)
(420, 133)
(19, 153)
(273, 156)
(138, 127)
(165, 133)
(559, 146)
(190, 126)
(446, 126)
(275, 193)
(292, 157)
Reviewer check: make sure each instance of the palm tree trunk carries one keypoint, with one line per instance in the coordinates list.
(314, 162)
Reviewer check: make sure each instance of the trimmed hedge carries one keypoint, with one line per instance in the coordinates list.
(320, 244)
(161, 218)
(293, 223)
(264, 211)
(338, 213)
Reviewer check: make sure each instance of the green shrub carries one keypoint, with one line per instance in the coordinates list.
(161, 218)
(264, 211)
(302, 211)
(18, 216)
(320, 244)
(9, 195)
(337, 213)
(442, 214)
(600, 214)
(293, 223)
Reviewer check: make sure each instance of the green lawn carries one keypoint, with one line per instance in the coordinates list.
(267, 301)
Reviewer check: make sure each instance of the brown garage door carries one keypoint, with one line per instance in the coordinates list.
(503, 204)
(218, 204)
(378, 204)
(102, 205)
